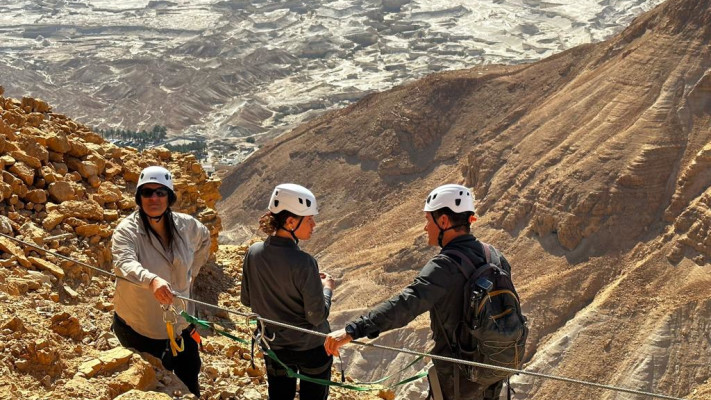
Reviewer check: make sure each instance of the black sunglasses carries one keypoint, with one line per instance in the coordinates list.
(148, 193)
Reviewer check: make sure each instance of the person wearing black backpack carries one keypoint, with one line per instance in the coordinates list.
(446, 288)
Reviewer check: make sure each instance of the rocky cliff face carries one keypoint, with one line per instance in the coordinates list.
(591, 172)
(61, 179)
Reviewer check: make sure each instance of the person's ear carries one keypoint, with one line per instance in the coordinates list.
(472, 219)
(444, 221)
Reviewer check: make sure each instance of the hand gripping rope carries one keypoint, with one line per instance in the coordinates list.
(266, 321)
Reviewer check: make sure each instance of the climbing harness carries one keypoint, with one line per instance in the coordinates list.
(265, 321)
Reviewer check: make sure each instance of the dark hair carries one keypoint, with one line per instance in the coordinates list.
(458, 220)
(170, 229)
(270, 222)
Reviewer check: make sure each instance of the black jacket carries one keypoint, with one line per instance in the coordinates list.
(281, 282)
(439, 288)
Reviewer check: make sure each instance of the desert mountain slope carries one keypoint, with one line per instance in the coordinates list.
(591, 170)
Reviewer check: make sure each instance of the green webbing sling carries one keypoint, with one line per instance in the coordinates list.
(358, 386)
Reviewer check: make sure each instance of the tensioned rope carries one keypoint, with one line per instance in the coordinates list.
(394, 349)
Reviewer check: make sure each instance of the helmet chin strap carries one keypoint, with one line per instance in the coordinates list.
(291, 232)
(156, 219)
(441, 231)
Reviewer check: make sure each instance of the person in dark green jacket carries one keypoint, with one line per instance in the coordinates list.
(439, 289)
(281, 282)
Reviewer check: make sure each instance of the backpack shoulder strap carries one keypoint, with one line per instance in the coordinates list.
(492, 255)
(475, 272)
(464, 260)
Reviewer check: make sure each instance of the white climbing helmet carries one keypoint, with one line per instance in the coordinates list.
(155, 174)
(458, 198)
(293, 198)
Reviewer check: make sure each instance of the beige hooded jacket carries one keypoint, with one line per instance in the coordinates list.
(139, 257)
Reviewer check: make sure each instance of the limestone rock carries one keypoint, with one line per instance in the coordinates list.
(87, 209)
(37, 196)
(52, 219)
(47, 266)
(109, 192)
(107, 362)
(31, 161)
(58, 143)
(140, 395)
(111, 215)
(33, 232)
(5, 225)
(67, 326)
(92, 230)
(15, 325)
(61, 191)
(35, 105)
(35, 147)
(24, 172)
(8, 246)
(77, 148)
(111, 170)
(140, 376)
(85, 168)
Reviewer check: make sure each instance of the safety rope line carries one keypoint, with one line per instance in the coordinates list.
(357, 386)
(394, 349)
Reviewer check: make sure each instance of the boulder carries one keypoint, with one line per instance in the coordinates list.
(78, 148)
(5, 225)
(111, 215)
(58, 143)
(140, 375)
(140, 395)
(87, 209)
(37, 196)
(67, 326)
(33, 232)
(45, 265)
(9, 247)
(88, 230)
(61, 191)
(108, 192)
(24, 172)
(84, 168)
(111, 170)
(98, 160)
(35, 147)
(21, 155)
(36, 105)
(107, 362)
(52, 219)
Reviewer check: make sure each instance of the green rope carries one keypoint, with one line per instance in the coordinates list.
(374, 385)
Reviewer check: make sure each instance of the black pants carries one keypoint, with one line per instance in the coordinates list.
(314, 363)
(186, 365)
(468, 390)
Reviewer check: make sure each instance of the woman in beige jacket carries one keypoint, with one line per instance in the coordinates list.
(160, 252)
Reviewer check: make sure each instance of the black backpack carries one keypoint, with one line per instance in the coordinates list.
(493, 330)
